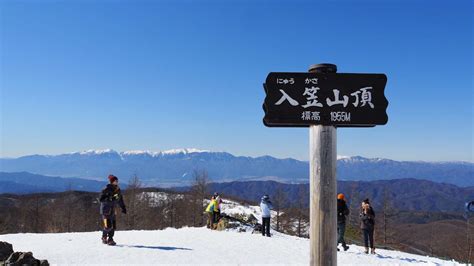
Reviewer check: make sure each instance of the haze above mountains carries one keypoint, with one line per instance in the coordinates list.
(176, 167)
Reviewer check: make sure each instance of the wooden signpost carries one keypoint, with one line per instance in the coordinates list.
(323, 100)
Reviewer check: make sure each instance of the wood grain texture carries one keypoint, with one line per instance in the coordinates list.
(323, 204)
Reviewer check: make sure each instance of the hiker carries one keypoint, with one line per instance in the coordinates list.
(210, 213)
(266, 206)
(470, 206)
(367, 224)
(342, 212)
(217, 208)
(110, 197)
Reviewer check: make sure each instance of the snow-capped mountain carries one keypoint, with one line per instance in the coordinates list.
(141, 152)
(176, 167)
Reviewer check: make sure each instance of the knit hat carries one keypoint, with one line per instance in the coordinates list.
(341, 196)
(112, 178)
(366, 201)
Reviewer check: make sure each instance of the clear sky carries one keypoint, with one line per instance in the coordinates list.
(156, 75)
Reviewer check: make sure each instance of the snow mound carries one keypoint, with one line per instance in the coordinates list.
(230, 207)
(156, 199)
(194, 246)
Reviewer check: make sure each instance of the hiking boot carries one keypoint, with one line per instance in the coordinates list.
(366, 250)
(346, 248)
(104, 240)
(372, 251)
(338, 249)
(111, 242)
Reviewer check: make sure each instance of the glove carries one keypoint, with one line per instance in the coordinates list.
(124, 211)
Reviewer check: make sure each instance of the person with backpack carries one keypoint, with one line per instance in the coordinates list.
(110, 197)
(210, 213)
(266, 207)
(217, 209)
(342, 212)
(367, 224)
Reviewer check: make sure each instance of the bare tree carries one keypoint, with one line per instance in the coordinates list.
(387, 215)
(279, 200)
(86, 208)
(431, 242)
(33, 214)
(354, 205)
(68, 207)
(301, 210)
(469, 239)
(199, 192)
(170, 211)
(132, 200)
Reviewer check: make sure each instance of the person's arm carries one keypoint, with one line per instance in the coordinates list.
(346, 210)
(372, 213)
(122, 203)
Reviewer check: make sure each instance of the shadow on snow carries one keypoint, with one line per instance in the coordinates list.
(153, 247)
(403, 259)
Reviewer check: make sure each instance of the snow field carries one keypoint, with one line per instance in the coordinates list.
(193, 246)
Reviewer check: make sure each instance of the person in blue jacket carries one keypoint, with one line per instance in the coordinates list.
(470, 206)
(266, 206)
(109, 198)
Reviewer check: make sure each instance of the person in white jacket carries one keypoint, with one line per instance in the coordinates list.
(266, 206)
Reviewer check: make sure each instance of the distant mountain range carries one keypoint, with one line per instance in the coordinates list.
(175, 167)
(26, 183)
(402, 194)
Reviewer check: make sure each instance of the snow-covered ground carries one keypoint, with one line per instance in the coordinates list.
(193, 246)
(232, 207)
(196, 246)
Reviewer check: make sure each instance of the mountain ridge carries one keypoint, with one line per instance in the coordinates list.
(173, 167)
(187, 151)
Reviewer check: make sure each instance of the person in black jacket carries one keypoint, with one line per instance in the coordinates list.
(342, 212)
(367, 224)
(109, 198)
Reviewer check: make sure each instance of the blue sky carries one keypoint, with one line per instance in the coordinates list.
(168, 74)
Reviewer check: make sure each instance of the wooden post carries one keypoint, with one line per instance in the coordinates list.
(323, 203)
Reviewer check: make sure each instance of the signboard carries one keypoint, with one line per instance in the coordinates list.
(337, 99)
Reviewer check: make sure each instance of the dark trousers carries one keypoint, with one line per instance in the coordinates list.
(216, 217)
(109, 227)
(210, 220)
(341, 230)
(266, 226)
(368, 237)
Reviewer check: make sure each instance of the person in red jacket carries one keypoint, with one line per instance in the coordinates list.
(109, 198)
(342, 212)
